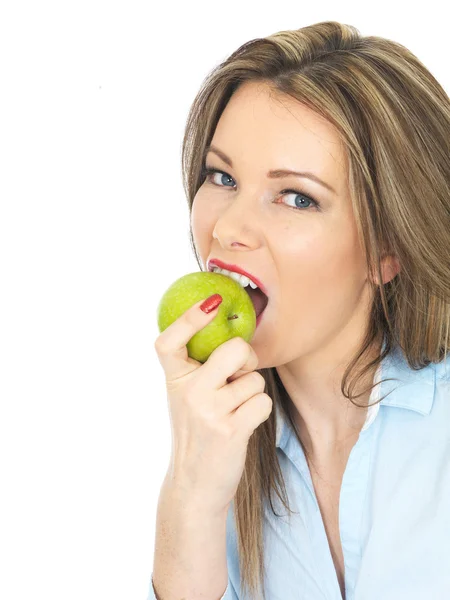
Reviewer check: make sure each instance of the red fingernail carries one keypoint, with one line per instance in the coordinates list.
(211, 303)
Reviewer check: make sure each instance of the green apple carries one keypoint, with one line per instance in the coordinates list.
(236, 314)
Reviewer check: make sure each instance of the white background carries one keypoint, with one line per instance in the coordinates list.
(94, 227)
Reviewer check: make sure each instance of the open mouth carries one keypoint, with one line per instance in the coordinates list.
(250, 283)
(259, 299)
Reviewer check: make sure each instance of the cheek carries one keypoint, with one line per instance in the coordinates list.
(319, 259)
(202, 223)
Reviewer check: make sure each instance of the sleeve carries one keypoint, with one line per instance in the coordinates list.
(230, 594)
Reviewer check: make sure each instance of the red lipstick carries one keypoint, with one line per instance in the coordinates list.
(218, 263)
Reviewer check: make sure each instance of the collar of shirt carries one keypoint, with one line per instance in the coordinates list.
(414, 390)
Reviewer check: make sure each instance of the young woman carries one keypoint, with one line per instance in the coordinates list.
(314, 462)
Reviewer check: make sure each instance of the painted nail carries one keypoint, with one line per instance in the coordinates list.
(211, 303)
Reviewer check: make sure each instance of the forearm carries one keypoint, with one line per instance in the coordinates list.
(190, 560)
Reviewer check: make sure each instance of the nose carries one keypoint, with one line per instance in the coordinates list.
(237, 227)
(233, 244)
(234, 237)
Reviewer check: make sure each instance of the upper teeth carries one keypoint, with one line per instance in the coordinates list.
(241, 279)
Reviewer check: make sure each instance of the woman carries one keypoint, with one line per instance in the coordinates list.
(354, 254)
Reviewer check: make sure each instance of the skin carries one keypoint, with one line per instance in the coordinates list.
(310, 260)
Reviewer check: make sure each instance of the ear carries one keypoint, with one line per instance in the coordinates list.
(390, 266)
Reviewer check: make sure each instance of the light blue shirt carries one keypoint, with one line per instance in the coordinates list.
(394, 508)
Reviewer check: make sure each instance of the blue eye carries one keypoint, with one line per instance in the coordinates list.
(301, 198)
(207, 171)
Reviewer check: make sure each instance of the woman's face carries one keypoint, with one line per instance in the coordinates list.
(308, 257)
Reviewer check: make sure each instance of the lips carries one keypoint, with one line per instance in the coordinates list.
(222, 265)
(258, 296)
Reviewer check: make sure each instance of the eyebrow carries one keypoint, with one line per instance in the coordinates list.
(277, 174)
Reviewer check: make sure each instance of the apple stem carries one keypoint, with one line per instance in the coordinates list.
(233, 317)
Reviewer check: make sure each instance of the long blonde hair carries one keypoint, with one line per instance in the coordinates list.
(394, 119)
